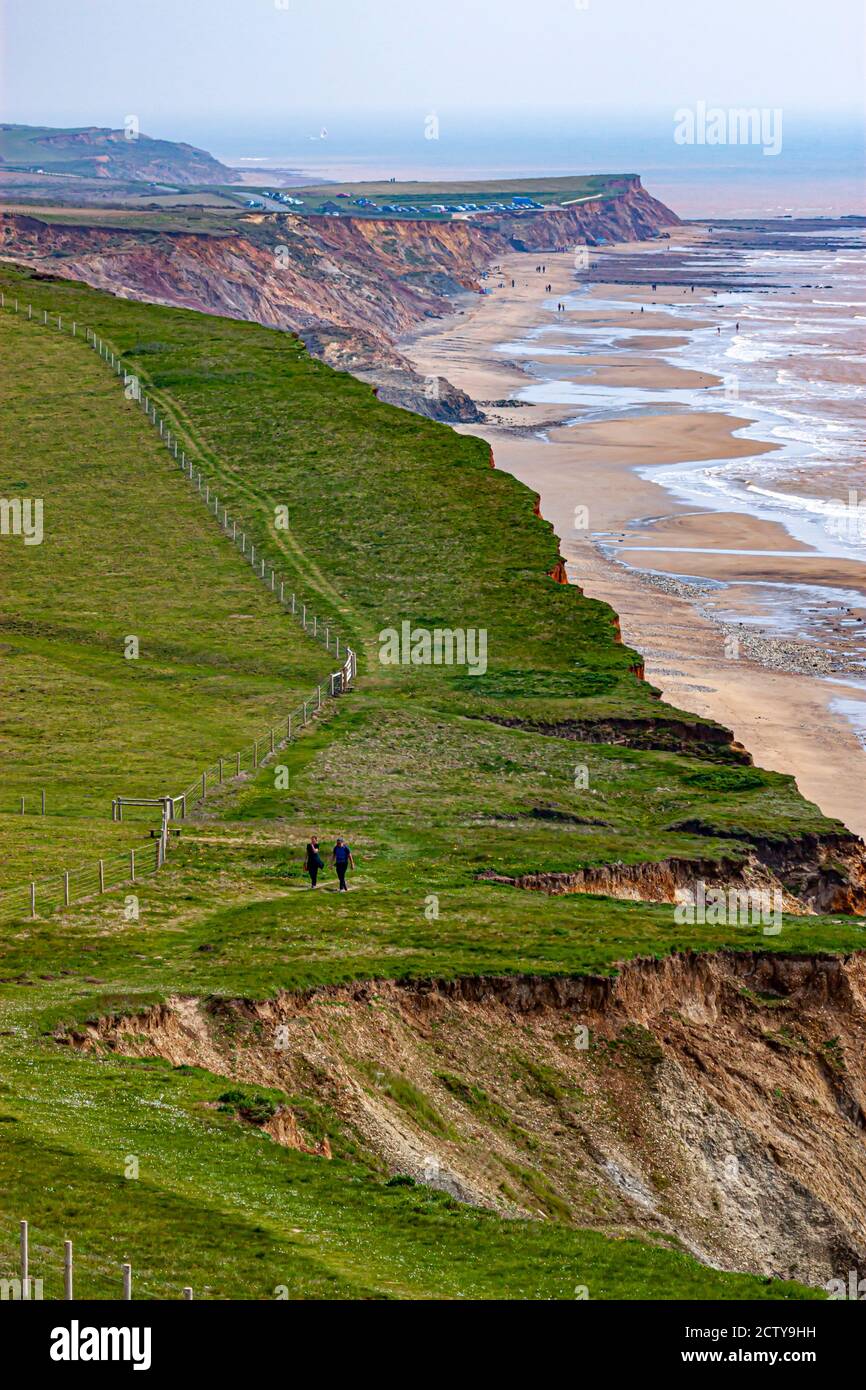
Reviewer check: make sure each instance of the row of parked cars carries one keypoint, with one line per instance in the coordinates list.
(277, 197)
(516, 205)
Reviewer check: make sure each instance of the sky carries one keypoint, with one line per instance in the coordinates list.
(178, 64)
(349, 89)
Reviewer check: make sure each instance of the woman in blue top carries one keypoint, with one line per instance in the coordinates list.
(342, 857)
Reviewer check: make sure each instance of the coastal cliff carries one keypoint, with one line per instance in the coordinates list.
(347, 286)
(717, 1099)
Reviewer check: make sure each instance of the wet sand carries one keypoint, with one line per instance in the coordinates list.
(784, 717)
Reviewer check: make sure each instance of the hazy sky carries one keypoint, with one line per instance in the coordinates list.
(247, 61)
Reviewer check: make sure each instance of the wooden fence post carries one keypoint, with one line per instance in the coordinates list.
(65, 887)
(238, 765)
(289, 727)
(187, 1293)
(25, 1261)
(204, 785)
(67, 1270)
(221, 769)
(22, 805)
(33, 900)
(43, 801)
(127, 1282)
(102, 875)
(132, 864)
(255, 753)
(272, 740)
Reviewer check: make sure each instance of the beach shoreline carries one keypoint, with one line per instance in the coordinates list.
(782, 698)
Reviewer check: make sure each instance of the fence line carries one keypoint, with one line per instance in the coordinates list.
(29, 1287)
(260, 750)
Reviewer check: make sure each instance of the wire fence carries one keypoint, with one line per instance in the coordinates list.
(37, 1271)
(60, 890)
(43, 895)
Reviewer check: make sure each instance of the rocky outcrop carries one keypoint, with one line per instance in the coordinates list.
(348, 286)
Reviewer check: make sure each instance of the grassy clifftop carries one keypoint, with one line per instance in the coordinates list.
(437, 774)
(100, 152)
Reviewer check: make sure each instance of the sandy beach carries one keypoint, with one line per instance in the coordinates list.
(708, 643)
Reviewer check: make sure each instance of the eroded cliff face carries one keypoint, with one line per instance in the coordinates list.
(809, 874)
(348, 286)
(633, 215)
(717, 1100)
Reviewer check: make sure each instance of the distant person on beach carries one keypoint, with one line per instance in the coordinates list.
(313, 860)
(342, 857)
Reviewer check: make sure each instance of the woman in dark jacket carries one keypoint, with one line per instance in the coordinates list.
(313, 860)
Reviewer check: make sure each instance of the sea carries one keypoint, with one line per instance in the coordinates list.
(811, 166)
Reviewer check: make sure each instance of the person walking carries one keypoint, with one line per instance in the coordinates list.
(313, 860)
(342, 857)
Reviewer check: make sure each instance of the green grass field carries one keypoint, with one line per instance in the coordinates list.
(216, 208)
(427, 198)
(127, 551)
(435, 775)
